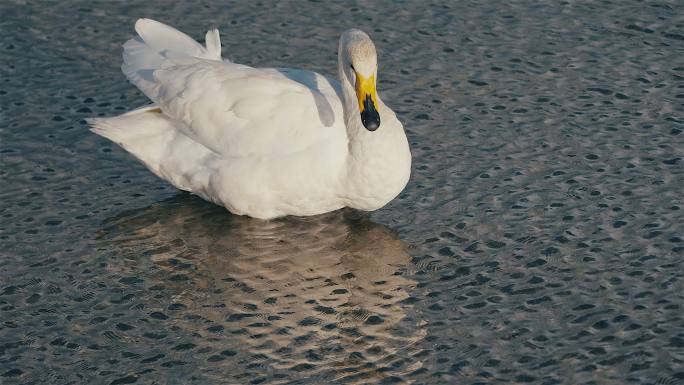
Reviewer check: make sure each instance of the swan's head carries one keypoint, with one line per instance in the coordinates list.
(360, 65)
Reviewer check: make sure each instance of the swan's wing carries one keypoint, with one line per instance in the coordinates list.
(232, 109)
(155, 44)
(237, 110)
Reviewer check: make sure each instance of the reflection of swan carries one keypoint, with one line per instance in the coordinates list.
(320, 294)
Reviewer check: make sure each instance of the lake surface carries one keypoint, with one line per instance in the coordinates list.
(539, 240)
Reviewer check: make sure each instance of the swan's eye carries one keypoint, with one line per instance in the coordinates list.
(352, 67)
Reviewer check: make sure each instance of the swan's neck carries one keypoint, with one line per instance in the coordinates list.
(379, 162)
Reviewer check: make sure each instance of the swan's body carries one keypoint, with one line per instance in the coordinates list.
(261, 142)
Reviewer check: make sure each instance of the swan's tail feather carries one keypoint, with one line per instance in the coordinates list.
(157, 42)
(155, 140)
(144, 132)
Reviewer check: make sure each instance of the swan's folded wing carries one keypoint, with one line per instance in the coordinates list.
(236, 110)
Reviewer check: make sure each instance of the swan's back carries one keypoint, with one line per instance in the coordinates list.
(232, 109)
(262, 142)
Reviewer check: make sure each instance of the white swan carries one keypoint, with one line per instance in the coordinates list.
(261, 142)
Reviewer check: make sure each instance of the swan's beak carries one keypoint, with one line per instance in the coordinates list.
(368, 102)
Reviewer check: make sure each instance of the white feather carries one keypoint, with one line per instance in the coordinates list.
(213, 42)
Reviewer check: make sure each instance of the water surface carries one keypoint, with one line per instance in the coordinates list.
(539, 240)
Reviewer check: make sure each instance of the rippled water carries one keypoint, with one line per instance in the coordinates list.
(539, 240)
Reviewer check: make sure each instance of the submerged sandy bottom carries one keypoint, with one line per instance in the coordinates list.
(539, 240)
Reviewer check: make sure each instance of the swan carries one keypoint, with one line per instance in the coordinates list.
(262, 142)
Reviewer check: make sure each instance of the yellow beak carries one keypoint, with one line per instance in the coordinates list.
(368, 101)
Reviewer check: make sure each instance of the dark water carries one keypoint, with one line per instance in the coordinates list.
(539, 240)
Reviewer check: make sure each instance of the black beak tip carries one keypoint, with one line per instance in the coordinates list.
(370, 120)
(369, 116)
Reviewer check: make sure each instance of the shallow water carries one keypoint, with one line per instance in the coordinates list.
(539, 240)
